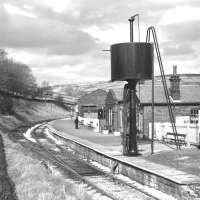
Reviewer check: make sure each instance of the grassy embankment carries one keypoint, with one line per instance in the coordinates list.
(32, 180)
(27, 112)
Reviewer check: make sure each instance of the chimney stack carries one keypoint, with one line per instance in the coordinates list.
(175, 84)
(174, 70)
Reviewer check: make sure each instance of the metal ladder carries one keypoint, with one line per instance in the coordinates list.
(169, 105)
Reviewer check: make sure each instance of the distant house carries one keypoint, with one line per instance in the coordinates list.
(90, 103)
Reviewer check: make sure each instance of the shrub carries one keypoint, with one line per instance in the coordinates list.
(6, 105)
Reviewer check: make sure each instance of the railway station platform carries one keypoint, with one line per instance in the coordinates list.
(107, 150)
(106, 143)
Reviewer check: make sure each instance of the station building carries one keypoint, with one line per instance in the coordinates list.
(113, 110)
(184, 94)
(90, 103)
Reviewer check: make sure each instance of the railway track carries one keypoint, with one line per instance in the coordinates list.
(106, 185)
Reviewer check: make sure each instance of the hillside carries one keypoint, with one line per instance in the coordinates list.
(23, 176)
(76, 90)
(25, 112)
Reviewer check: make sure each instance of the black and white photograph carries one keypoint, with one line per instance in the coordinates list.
(99, 100)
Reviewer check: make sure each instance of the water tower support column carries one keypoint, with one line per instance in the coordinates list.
(132, 86)
(133, 128)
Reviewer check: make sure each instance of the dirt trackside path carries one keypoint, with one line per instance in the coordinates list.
(7, 188)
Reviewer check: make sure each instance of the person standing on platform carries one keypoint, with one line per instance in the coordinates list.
(76, 123)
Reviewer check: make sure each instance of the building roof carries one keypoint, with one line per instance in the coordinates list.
(111, 98)
(114, 96)
(189, 93)
(117, 93)
(96, 97)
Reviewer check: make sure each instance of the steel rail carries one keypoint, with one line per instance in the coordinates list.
(68, 168)
(37, 147)
(54, 160)
(109, 175)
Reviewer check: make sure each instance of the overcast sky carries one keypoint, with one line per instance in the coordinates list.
(62, 40)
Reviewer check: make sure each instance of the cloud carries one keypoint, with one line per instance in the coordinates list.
(89, 12)
(54, 36)
(182, 32)
(55, 76)
(178, 49)
(66, 74)
(180, 14)
(25, 11)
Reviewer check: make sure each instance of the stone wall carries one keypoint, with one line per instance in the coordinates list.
(146, 177)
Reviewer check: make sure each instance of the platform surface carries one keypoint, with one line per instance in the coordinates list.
(111, 145)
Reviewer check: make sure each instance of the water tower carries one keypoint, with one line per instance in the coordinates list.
(131, 62)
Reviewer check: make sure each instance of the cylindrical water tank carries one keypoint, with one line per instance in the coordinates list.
(131, 61)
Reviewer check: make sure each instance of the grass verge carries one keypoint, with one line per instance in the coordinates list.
(186, 160)
(33, 181)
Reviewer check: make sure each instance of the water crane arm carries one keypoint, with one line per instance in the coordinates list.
(131, 20)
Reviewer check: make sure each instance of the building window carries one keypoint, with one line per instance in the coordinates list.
(194, 113)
